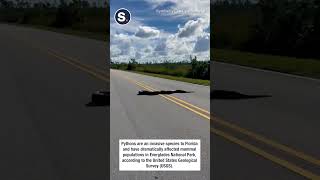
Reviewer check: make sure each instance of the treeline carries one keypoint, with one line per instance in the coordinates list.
(191, 69)
(279, 27)
(76, 14)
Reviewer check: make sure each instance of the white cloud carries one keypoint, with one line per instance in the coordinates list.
(161, 48)
(146, 43)
(130, 28)
(191, 38)
(147, 32)
(178, 46)
(120, 42)
(115, 51)
(148, 50)
(192, 27)
(138, 55)
(202, 44)
(127, 46)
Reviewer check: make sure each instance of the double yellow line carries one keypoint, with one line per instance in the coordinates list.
(195, 109)
(95, 72)
(282, 162)
(102, 75)
(206, 114)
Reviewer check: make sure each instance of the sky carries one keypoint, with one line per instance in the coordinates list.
(161, 30)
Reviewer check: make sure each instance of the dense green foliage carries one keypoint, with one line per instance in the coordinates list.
(132, 65)
(280, 27)
(190, 69)
(276, 27)
(76, 15)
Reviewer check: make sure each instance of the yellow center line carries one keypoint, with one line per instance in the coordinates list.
(176, 102)
(103, 76)
(269, 142)
(93, 73)
(203, 110)
(266, 155)
(180, 100)
(243, 144)
(258, 137)
(170, 98)
(99, 74)
(255, 136)
(70, 59)
(248, 146)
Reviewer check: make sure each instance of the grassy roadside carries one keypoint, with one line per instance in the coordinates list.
(102, 37)
(290, 65)
(176, 78)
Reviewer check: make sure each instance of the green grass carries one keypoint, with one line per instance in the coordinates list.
(183, 71)
(176, 78)
(233, 27)
(171, 69)
(304, 67)
(291, 65)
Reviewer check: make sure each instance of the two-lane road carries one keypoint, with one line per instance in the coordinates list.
(46, 130)
(275, 112)
(264, 125)
(161, 116)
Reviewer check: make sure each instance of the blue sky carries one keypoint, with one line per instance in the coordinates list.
(161, 30)
(144, 11)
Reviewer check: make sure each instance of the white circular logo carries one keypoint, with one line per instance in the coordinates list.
(122, 16)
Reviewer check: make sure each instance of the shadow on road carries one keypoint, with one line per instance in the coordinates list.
(153, 93)
(233, 95)
(99, 98)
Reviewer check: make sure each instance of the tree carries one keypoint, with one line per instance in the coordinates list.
(132, 64)
(199, 69)
(68, 14)
(284, 27)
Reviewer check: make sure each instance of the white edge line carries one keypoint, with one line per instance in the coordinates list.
(270, 71)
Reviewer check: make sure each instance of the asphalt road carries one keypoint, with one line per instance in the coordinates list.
(46, 130)
(136, 116)
(280, 108)
(264, 125)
